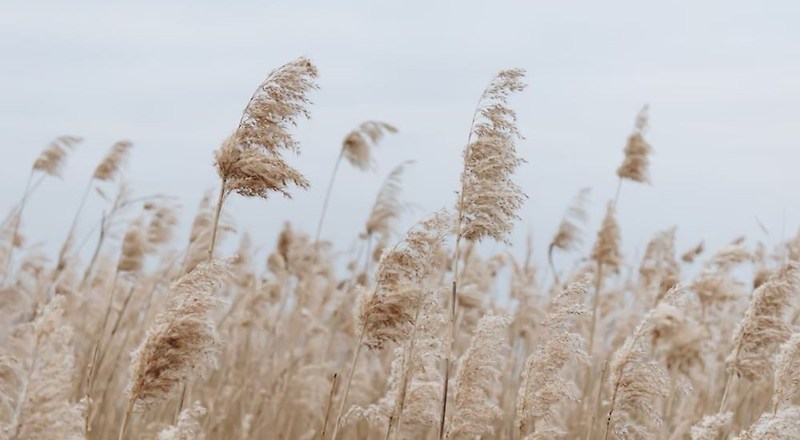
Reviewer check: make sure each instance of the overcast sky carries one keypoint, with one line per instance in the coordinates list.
(722, 79)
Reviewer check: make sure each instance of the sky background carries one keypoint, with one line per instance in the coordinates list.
(722, 79)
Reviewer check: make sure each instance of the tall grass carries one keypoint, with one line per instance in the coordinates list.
(157, 339)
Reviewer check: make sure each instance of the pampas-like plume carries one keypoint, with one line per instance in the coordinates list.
(606, 248)
(784, 425)
(475, 405)
(606, 255)
(763, 327)
(357, 145)
(636, 382)
(636, 163)
(51, 160)
(659, 270)
(787, 373)
(182, 341)
(188, 426)
(488, 201)
(134, 246)
(711, 426)
(109, 167)
(691, 254)
(387, 207)
(357, 149)
(162, 224)
(568, 236)
(250, 161)
(543, 389)
(402, 278)
(252, 173)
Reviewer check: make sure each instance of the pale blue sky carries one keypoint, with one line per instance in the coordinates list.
(722, 79)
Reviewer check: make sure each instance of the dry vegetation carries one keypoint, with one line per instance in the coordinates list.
(422, 336)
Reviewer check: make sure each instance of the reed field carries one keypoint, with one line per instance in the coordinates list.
(125, 332)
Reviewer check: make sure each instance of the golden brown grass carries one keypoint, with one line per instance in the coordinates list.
(417, 339)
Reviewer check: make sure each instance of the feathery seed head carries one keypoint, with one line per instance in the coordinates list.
(109, 167)
(606, 247)
(636, 165)
(357, 145)
(489, 200)
(51, 160)
(182, 342)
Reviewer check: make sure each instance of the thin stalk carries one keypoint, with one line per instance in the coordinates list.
(327, 198)
(115, 327)
(62, 254)
(88, 272)
(334, 380)
(597, 401)
(453, 301)
(89, 383)
(216, 219)
(619, 188)
(180, 405)
(349, 380)
(125, 418)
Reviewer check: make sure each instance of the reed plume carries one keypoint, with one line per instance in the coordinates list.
(762, 328)
(636, 164)
(543, 389)
(108, 168)
(475, 405)
(357, 148)
(488, 200)
(188, 426)
(711, 426)
(787, 373)
(52, 159)
(250, 161)
(783, 425)
(181, 343)
(568, 236)
(606, 252)
(690, 255)
(388, 206)
(636, 383)
(607, 256)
